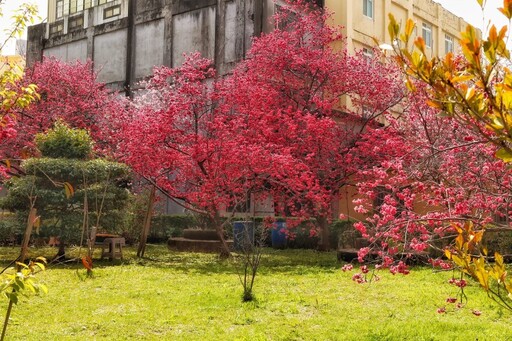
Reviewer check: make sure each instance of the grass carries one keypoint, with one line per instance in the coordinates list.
(301, 295)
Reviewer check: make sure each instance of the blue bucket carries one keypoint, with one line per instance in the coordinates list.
(278, 236)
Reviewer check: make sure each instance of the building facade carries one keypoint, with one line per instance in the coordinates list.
(364, 20)
(126, 38)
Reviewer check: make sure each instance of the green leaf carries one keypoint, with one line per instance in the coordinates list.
(504, 154)
(12, 297)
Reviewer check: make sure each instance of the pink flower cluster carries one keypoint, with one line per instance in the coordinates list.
(441, 263)
(347, 267)
(461, 283)
(401, 268)
(359, 278)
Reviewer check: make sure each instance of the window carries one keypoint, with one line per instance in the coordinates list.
(448, 43)
(368, 8)
(101, 2)
(111, 12)
(73, 6)
(76, 22)
(367, 52)
(57, 27)
(426, 33)
(60, 9)
(76, 6)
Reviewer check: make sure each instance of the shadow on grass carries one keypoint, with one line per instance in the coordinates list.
(159, 256)
(285, 261)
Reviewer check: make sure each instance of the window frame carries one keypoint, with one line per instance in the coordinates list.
(111, 12)
(76, 22)
(368, 8)
(56, 27)
(426, 34)
(448, 44)
(367, 52)
(59, 9)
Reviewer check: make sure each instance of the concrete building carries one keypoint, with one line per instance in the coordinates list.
(127, 38)
(364, 20)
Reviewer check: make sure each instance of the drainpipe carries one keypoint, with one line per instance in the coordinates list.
(130, 49)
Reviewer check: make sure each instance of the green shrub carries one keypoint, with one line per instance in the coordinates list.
(64, 142)
(10, 228)
(165, 226)
(60, 185)
(498, 241)
(343, 234)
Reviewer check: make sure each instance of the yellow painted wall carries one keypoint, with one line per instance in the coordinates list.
(52, 10)
(360, 30)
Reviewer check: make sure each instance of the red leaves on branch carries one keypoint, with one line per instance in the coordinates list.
(68, 92)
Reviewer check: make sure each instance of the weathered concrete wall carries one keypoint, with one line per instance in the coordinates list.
(76, 50)
(158, 33)
(110, 56)
(35, 43)
(193, 31)
(230, 32)
(149, 49)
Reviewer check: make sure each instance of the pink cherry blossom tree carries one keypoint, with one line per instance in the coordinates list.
(433, 175)
(68, 92)
(306, 97)
(275, 126)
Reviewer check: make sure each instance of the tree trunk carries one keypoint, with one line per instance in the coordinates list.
(147, 224)
(324, 244)
(61, 253)
(224, 251)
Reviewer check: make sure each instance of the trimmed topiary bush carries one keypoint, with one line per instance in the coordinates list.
(63, 142)
(61, 181)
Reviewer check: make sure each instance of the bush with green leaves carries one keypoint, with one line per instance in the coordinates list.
(62, 142)
(62, 184)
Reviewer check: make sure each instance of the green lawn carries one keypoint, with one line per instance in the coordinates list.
(302, 295)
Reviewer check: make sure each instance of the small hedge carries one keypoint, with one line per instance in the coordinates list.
(166, 226)
(498, 241)
(198, 234)
(10, 229)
